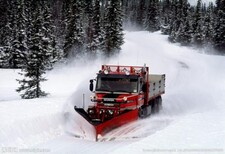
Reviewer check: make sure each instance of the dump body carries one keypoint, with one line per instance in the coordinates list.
(122, 94)
(157, 85)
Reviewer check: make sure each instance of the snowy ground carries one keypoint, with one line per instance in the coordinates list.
(192, 119)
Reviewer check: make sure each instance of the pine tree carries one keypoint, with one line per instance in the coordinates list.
(113, 37)
(197, 25)
(74, 41)
(175, 21)
(126, 10)
(7, 35)
(20, 46)
(141, 13)
(152, 20)
(50, 42)
(3, 20)
(15, 46)
(219, 35)
(184, 34)
(89, 27)
(208, 25)
(38, 59)
(165, 16)
(133, 15)
(97, 33)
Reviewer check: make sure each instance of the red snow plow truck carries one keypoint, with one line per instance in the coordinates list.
(122, 94)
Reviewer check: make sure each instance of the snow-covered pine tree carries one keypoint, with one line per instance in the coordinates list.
(152, 18)
(113, 30)
(219, 29)
(141, 13)
(175, 20)
(18, 43)
(208, 25)
(6, 33)
(93, 27)
(132, 13)
(38, 59)
(198, 37)
(8, 57)
(97, 26)
(50, 43)
(89, 27)
(165, 16)
(3, 20)
(74, 40)
(126, 11)
(184, 33)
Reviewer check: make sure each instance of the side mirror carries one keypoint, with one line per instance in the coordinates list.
(91, 86)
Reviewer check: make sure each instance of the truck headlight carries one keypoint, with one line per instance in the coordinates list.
(124, 99)
(91, 111)
(106, 72)
(110, 112)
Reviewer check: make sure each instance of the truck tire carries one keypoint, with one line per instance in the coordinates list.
(155, 105)
(160, 102)
(144, 111)
(141, 112)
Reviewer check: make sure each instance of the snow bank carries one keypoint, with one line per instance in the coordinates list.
(26, 123)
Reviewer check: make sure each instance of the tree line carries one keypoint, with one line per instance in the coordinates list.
(66, 27)
(201, 25)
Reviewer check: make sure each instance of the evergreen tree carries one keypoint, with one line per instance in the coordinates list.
(208, 25)
(89, 27)
(165, 16)
(74, 41)
(141, 13)
(50, 42)
(184, 34)
(197, 25)
(38, 60)
(175, 21)
(15, 46)
(113, 38)
(7, 35)
(152, 21)
(219, 35)
(97, 27)
(20, 42)
(3, 20)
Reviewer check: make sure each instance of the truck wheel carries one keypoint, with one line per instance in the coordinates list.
(141, 112)
(144, 112)
(160, 102)
(155, 105)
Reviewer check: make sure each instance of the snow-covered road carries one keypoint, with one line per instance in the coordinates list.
(192, 119)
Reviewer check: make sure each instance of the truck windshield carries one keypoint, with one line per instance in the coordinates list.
(117, 85)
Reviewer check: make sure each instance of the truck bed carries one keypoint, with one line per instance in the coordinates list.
(157, 85)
